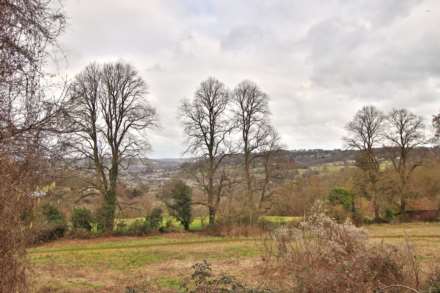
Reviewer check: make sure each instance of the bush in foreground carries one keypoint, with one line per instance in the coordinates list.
(204, 280)
(324, 256)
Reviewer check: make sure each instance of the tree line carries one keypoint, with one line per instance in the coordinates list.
(387, 138)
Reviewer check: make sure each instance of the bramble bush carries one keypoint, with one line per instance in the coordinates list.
(322, 255)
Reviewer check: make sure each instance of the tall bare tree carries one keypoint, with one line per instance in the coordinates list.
(251, 115)
(405, 133)
(27, 29)
(111, 112)
(207, 126)
(366, 133)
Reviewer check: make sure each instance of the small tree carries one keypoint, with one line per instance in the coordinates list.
(178, 198)
(343, 197)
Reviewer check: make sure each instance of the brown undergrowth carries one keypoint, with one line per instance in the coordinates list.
(320, 255)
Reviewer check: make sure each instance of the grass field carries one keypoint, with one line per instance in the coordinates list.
(111, 264)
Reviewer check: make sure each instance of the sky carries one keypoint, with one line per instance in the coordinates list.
(319, 61)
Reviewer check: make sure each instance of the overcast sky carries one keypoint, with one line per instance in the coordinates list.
(319, 61)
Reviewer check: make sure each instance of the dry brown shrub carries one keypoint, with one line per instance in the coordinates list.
(14, 202)
(324, 256)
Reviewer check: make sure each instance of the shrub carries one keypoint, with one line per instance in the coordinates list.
(324, 256)
(342, 206)
(167, 227)
(52, 214)
(154, 219)
(390, 215)
(203, 280)
(342, 197)
(46, 233)
(82, 218)
(53, 225)
(136, 228)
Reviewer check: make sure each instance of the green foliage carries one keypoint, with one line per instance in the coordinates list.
(390, 215)
(82, 219)
(105, 217)
(178, 199)
(52, 214)
(341, 196)
(135, 228)
(50, 227)
(139, 227)
(154, 219)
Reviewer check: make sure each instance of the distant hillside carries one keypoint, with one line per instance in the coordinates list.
(307, 158)
(159, 170)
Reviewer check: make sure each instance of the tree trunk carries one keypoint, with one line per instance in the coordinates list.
(109, 205)
(402, 207)
(108, 212)
(376, 211)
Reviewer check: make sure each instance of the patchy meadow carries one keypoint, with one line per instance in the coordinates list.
(114, 263)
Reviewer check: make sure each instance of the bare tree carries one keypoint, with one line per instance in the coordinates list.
(207, 126)
(405, 133)
(365, 133)
(269, 152)
(251, 115)
(27, 29)
(110, 113)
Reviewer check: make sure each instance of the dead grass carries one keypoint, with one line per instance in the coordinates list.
(111, 264)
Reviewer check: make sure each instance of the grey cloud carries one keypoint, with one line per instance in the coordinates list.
(318, 60)
(242, 37)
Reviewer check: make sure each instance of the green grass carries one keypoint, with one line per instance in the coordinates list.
(137, 252)
(197, 223)
(281, 219)
(169, 282)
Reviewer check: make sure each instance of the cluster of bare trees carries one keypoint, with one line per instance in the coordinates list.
(386, 139)
(219, 123)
